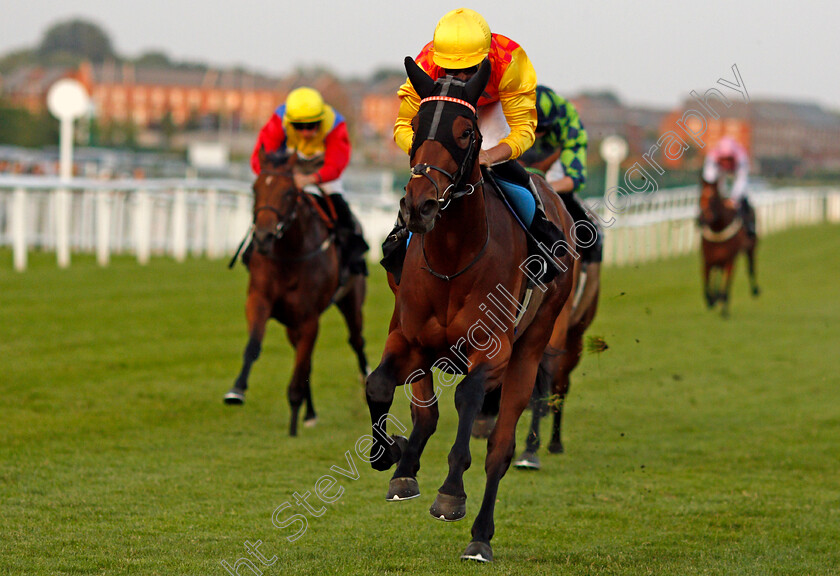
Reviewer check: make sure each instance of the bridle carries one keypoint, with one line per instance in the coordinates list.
(287, 219)
(456, 188)
(283, 220)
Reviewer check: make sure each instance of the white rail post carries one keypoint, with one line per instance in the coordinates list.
(19, 229)
(244, 209)
(142, 227)
(212, 242)
(103, 227)
(62, 227)
(179, 225)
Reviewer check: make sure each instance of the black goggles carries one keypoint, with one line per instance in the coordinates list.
(306, 125)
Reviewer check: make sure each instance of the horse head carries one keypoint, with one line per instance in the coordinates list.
(444, 152)
(275, 198)
(710, 202)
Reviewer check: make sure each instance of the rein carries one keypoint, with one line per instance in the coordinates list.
(448, 277)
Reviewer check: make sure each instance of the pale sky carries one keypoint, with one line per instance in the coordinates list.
(649, 51)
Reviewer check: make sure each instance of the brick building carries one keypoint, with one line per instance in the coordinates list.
(783, 138)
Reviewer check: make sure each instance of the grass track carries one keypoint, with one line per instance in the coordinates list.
(694, 445)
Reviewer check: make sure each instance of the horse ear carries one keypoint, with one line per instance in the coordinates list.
(476, 84)
(261, 155)
(421, 81)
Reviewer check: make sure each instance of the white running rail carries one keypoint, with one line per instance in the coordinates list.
(208, 218)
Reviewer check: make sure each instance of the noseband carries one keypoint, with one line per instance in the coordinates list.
(441, 197)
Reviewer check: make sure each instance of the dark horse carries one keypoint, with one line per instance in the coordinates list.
(553, 380)
(723, 238)
(457, 303)
(294, 277)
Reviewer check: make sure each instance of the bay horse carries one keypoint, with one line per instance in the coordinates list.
(553, 383)
(457, 305)
(294, 277)
(724, 236)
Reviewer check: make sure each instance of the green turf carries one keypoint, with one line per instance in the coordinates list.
(695, 445)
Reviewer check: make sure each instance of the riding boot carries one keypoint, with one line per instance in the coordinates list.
(593, 252)
(544, 232)
(351, 243)
(394, 249)
(747, 214)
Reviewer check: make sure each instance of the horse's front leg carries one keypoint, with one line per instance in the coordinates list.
(751, 269)
(399, 362)
(257, 312)
(451, 501)
(711, 298)
(726, 287)
(303, 339)
(424, 416)
(539, 406)
(517, 387)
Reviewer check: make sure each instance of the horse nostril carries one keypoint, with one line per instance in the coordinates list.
(429, 208)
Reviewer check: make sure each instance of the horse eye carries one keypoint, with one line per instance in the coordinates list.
(467, 133)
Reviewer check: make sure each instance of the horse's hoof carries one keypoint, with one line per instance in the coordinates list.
(235, 397)
(400, 489)
(556, 447)
(528, 461)
(478, 552)
(449, 508)
(310, 422)
(756, 291)
(482, 427)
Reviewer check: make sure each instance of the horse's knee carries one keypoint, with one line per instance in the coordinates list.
(296, 395)
(379, 385)
(471, 389)
(356, 342)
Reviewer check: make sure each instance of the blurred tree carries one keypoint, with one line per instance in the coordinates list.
(19, 127)
(381, 74)
(15, 59)
(153, 59)
(78, 38)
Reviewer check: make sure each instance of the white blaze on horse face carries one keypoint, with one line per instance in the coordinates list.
(268, 180)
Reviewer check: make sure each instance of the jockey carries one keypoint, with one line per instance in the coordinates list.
(306, 125)
(729, 157)
(506, 114)
(560, 152)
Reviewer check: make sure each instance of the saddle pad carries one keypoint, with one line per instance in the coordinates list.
(520, 199)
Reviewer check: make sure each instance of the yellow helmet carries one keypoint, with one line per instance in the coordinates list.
(305, 105)
(462, 39)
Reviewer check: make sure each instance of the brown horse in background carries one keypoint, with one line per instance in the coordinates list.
(723, 238)
(294, 277)
(553, 381)
(461, 292)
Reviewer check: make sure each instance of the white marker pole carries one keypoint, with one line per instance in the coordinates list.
(613, 151)
(66, 100)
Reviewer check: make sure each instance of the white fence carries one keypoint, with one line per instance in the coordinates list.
(174, 218)
(664, 225)
(178, 218)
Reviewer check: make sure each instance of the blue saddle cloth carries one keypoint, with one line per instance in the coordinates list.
(520, 199)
